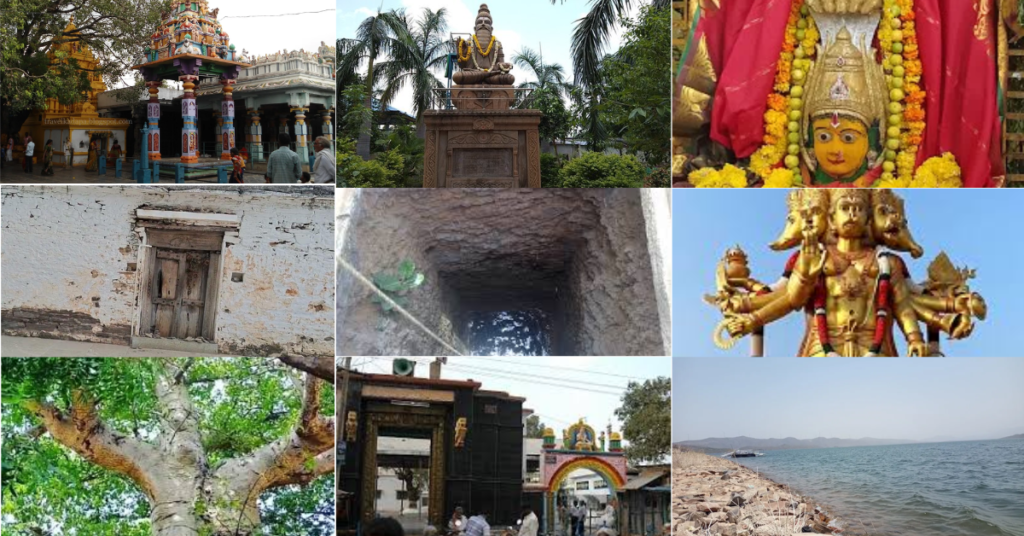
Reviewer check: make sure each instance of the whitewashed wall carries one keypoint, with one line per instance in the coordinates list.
(66, 254)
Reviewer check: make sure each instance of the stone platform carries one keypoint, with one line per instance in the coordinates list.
(482, 148)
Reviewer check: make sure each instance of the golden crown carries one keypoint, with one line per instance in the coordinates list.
(844, 82)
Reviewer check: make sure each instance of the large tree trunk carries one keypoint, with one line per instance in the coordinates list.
(363, 143)
(187, 496)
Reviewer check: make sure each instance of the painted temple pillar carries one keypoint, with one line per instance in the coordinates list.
(328, 130)
(227, 112)
(153, 120)
(189, 132)
(220, 125)
(301, 134)
(254, 137)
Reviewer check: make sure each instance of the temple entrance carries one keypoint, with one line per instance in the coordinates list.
(582, 478)
(403, 465)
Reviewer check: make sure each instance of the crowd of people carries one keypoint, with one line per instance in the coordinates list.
(459, 524)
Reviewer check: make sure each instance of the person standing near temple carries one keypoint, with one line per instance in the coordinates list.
(237, 167)
(325, 166)
(94, 161)
(70, 152)
(9, 152)
(284, 166)
(478, 525)
(47, 158)
(529, 524)
(30, 149)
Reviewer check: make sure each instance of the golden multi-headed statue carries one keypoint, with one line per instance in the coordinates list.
(848, 280)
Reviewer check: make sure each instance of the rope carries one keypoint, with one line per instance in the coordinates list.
(369, 284)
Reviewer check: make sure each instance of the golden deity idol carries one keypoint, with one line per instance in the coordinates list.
(849, 281)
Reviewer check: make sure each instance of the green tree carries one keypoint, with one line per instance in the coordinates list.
(549, 89)
(534, 427)
(646, 414)
(30, 30)
(167, 447)
(599, 170)
(420, 49)
(375, 39)
(638, 89)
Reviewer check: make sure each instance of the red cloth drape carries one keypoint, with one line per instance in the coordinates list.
(744, 38)
(957, 39)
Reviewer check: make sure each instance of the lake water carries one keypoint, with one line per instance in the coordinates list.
(967, 488)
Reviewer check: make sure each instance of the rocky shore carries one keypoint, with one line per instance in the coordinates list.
(716, 496)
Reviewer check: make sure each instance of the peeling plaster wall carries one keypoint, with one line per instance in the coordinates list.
(66, 254)
(582, 252)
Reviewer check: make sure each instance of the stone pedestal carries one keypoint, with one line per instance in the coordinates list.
(482, 97)
(482, 149)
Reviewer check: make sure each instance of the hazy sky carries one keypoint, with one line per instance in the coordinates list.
(918, 399)
(972, 226)
(558, 395)
(539, 25)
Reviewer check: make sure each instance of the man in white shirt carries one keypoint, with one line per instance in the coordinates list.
(528, 524)
(325, 166)
(583, 518)
(30, 149)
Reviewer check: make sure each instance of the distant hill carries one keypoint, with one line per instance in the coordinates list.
(1018, 436)
(725, 444)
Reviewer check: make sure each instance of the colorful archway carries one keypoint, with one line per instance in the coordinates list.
(616, 477)
(611, 467)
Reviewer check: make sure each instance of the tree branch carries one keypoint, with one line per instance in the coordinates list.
(81, 430)
(321, 367)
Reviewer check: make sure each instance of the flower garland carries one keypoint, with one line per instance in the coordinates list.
(897, 36)
(785, 103)
(936, 172)
(469, 50)
(483, 52)
(729, 176)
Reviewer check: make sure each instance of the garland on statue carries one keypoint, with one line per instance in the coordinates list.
(782, 119)
(468, 47)
(897, 37)
(483, 52)
(883, 310)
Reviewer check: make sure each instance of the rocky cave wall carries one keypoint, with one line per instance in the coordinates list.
(580, 255)
(69, 259)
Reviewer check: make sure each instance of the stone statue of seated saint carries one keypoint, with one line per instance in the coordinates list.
(481, 59)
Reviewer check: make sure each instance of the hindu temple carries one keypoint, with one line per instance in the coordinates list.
(76, 125)
(191, 45)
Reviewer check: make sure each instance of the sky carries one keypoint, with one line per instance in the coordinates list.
(560, 390)
(917, 400)
(539, 25)
(970, 225)
(265, 27)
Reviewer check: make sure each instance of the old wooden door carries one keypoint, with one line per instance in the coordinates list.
(179, 297)
(180, 293)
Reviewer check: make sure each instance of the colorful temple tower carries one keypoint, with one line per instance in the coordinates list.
(75, 124)
(190, 45)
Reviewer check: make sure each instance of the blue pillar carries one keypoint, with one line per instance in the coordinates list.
(141, 169)
(156, 171)
(117, 168)
(179, 173)
(222, 174)
(102, 170)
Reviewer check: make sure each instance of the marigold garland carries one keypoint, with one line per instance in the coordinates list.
(780, 178)
(729, 176)
(897, 37)
(483, 52)
(936, 172)
(468, 47)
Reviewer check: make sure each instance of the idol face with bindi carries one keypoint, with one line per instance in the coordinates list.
(840, 145)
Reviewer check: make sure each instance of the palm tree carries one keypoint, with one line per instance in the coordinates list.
(550, 76)
(591, 35)
(420, 48)
(375, 38)
(588, 42)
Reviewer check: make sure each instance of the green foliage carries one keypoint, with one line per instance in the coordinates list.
(397, 285)
(550, 168)
(242, 404)
(384, 171)
(659, 177)
(646, 414)
(638, 87)
(357, 118)
(599, 170)
(556, 122)
(114, 30)
(403, 139)
(534, 427)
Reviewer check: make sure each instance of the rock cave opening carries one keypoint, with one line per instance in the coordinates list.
(506, 272)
